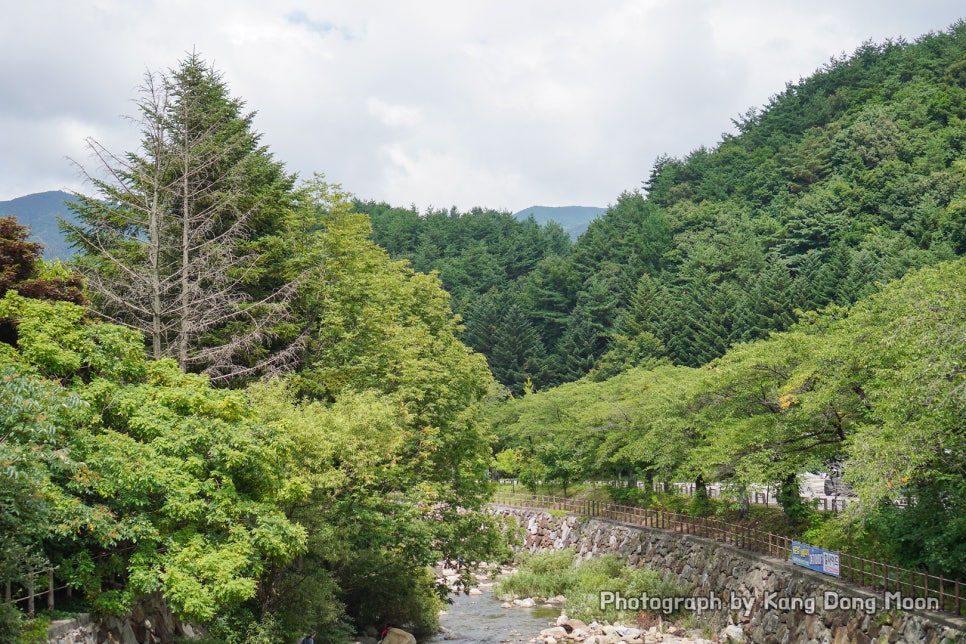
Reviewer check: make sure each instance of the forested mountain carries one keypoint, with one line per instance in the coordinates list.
(791, 300)
(843, 181)
(483, 257)
(846, 179)
(39, 212)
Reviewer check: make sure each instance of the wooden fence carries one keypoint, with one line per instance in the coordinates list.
(30, 592)
(909, 584)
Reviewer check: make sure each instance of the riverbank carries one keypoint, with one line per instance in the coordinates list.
(482, 616)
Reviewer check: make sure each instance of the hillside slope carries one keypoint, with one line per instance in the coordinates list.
(573, 219)
(40, 211)
(845, 180)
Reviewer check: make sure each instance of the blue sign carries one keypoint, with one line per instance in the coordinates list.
(824, 561)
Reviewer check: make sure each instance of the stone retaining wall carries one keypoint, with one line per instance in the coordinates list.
(151, 622)
(770, 600)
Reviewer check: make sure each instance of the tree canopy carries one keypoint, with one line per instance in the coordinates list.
(349, 451)
(878, 388)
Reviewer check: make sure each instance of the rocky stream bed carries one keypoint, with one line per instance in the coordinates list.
(482, 617)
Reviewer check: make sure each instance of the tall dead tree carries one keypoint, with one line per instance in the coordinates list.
(177, 241)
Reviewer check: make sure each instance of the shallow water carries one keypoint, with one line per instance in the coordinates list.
(479, 618)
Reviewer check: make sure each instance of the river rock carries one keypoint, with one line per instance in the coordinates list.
(574, 625)
(732, 633)
(398, 636)
(556, 631)
(525, 603)
(628, 633)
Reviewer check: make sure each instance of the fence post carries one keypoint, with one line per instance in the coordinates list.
(50, 589)
(32, 577)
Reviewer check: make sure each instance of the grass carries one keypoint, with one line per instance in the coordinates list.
(582, 581)
(574, 490)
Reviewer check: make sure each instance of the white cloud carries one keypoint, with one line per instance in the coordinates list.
(495, 103)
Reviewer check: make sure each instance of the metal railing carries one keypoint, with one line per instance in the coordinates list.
(756, 495)
(933, 592)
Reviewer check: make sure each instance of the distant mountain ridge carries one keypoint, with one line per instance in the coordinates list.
(40, 211)
(574, 219)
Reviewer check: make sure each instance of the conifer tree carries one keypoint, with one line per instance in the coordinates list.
(518, 354)
(176, 241)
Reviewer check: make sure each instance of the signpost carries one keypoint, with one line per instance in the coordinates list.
(824, 561)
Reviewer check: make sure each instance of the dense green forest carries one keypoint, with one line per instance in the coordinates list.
(272, 403)
(879, 387)
(344, 450)
(843, 181)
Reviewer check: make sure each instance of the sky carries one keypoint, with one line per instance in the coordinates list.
(432, 103)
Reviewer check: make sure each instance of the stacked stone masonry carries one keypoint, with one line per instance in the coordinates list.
(771, 601)
(151, 622)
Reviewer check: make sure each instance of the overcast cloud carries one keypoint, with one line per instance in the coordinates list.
(444, 102)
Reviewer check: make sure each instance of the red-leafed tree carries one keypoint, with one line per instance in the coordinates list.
(21, 270)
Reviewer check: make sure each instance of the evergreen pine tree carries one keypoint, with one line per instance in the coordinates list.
(181, 241)
(518, 354)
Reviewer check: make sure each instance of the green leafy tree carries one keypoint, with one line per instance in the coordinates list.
(174, 488)
(508, 462)
(33, 450)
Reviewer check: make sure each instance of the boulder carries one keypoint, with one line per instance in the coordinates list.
(398, 636)
(732, 633)
(574, 625)
(628, 632)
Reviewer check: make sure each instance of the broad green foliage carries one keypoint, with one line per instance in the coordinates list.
(598, 426)
(171, 484)
(34, 415)
(403, 467)
(56, 340)
(219, 499)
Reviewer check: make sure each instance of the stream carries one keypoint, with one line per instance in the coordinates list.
(480, 618)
